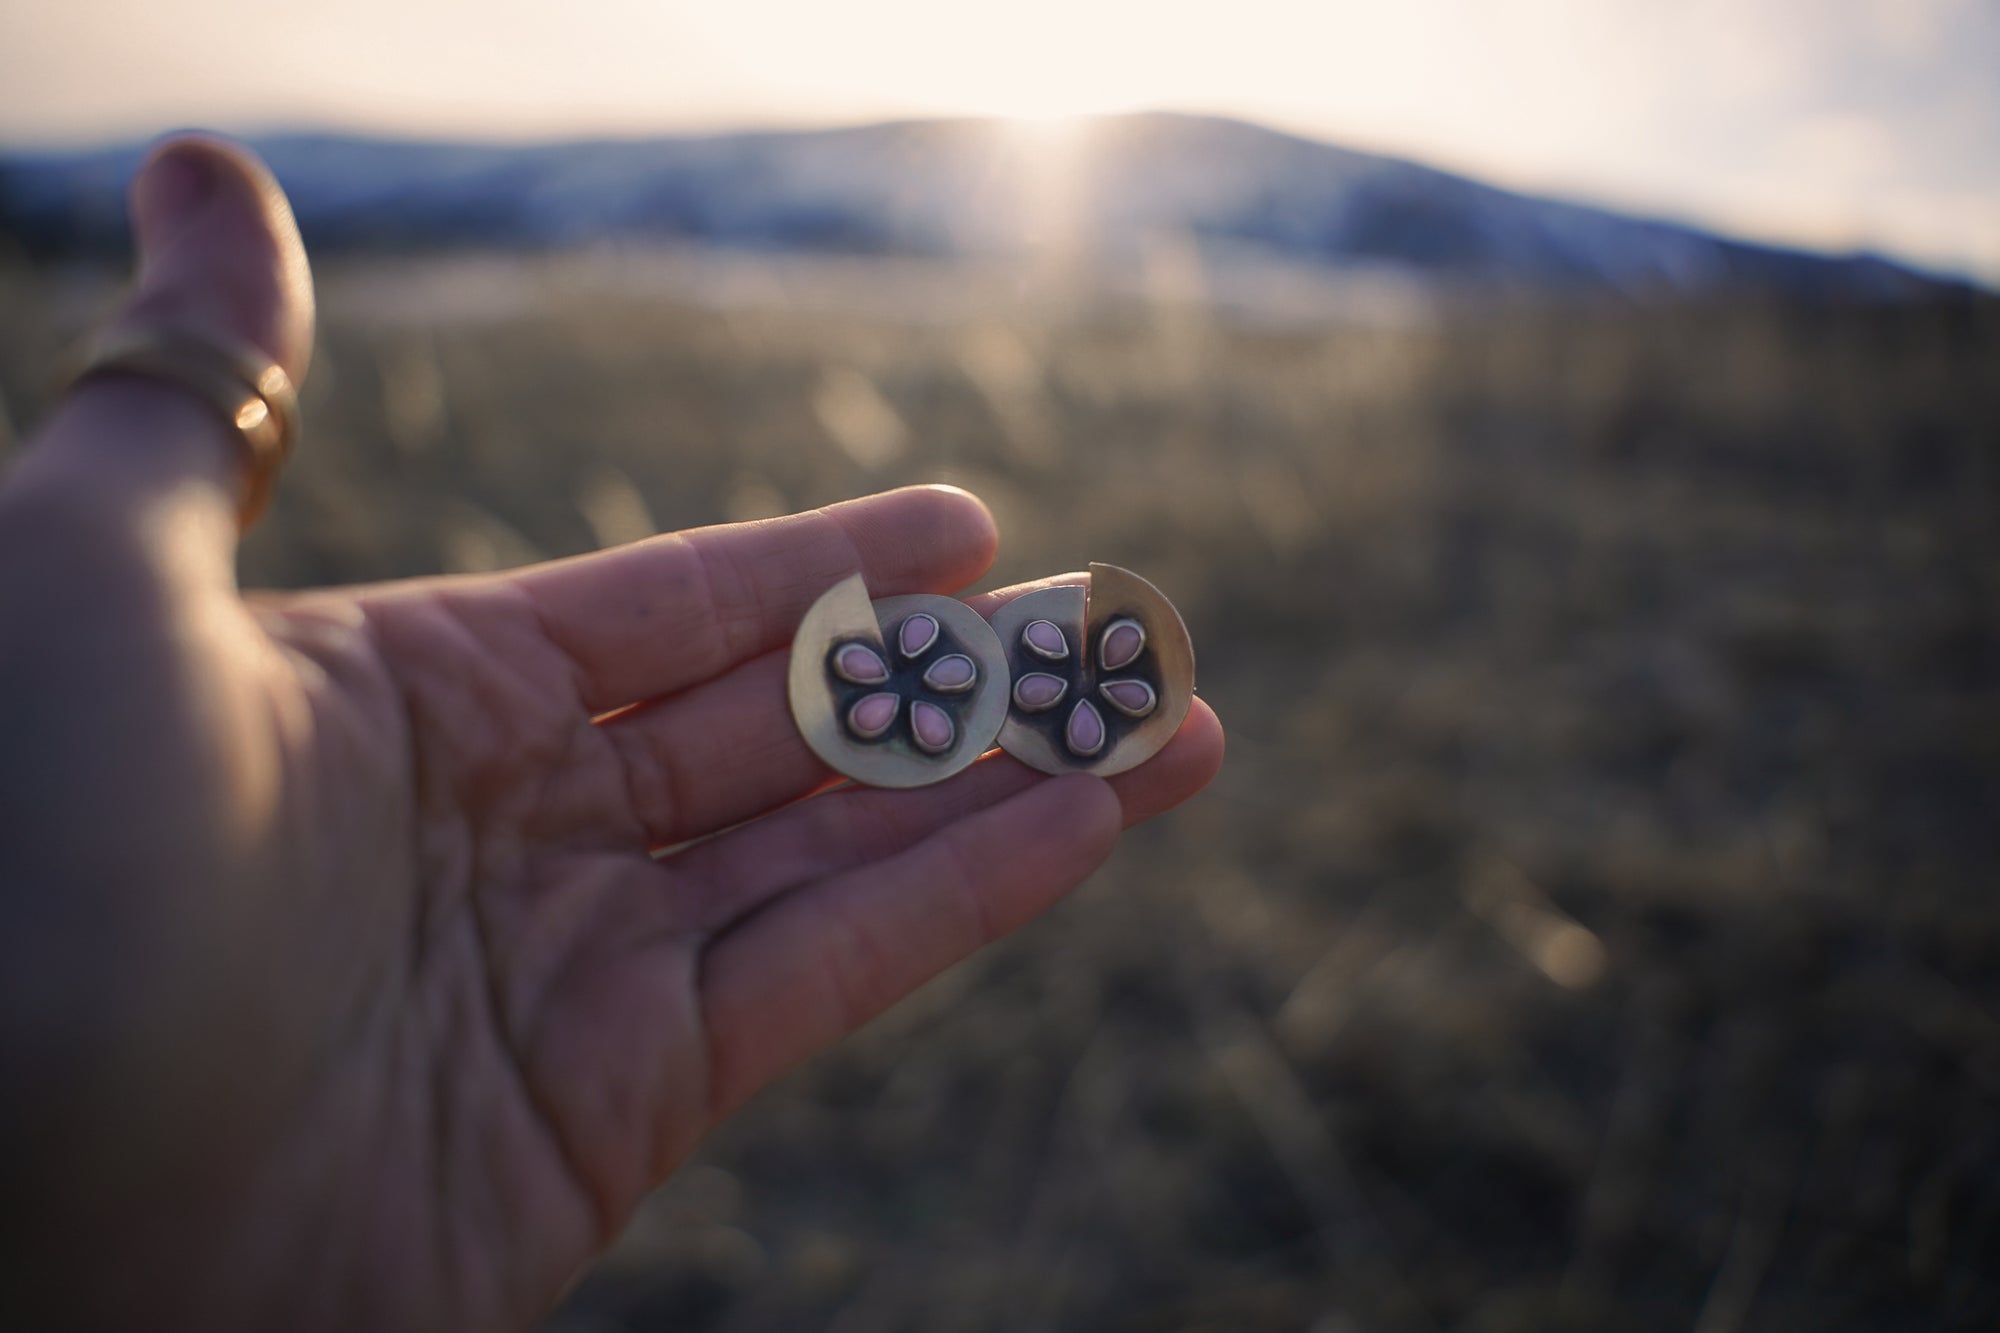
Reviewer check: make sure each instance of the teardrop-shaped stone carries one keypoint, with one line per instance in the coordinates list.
(1044, 638)
(917, 635)
(931, 726)
(859, 664)
(1121, 645)
(1084, 734)
(1133, 698)
(1038, 691)
(873, 714)
(952, 674)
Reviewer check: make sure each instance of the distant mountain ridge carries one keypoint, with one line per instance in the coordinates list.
(963, 189)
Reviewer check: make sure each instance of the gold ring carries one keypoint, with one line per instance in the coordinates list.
(251, 392)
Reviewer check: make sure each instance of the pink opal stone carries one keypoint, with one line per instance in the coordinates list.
(1045, 638)
(859, 663)
(1123, 642)
(1038, 691)
(919, 632)
(871, 716)
(1133, 698)
(949, 675)
(1085, 732)
(931, 726)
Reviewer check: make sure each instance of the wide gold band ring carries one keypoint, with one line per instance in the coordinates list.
(251, 392)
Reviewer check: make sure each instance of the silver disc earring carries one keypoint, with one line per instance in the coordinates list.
(1102, 674)
(900, 692)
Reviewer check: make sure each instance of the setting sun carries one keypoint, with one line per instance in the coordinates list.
(1050, 130)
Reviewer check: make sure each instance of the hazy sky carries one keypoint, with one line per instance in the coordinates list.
(1833, 123)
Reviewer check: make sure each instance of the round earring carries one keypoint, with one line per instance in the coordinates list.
(901, 692)
(1102, 674)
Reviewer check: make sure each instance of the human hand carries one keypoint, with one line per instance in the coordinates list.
(339, 984)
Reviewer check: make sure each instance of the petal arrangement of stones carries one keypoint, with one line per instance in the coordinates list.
(873, 716)
(1100, 673)
(1119, 646)
(896, 692)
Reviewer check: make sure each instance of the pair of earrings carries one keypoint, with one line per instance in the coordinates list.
(906, 691)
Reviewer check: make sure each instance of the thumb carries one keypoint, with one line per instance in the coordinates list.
(218, 251)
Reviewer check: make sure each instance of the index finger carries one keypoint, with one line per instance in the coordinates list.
(657, 616)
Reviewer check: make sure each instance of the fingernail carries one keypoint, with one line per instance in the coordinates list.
(177, 182)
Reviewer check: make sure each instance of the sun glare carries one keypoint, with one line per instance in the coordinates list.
(1045, 130)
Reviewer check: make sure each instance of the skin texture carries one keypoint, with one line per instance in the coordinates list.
(338, 987)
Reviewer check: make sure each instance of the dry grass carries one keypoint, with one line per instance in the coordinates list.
(1597, 924)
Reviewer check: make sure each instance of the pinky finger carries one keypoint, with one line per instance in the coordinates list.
(821, 961)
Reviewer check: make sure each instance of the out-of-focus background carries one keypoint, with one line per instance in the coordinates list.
(1597, 923)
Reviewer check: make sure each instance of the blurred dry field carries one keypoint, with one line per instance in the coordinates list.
(1596, 925)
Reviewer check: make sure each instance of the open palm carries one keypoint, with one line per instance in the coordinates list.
(345, 982)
